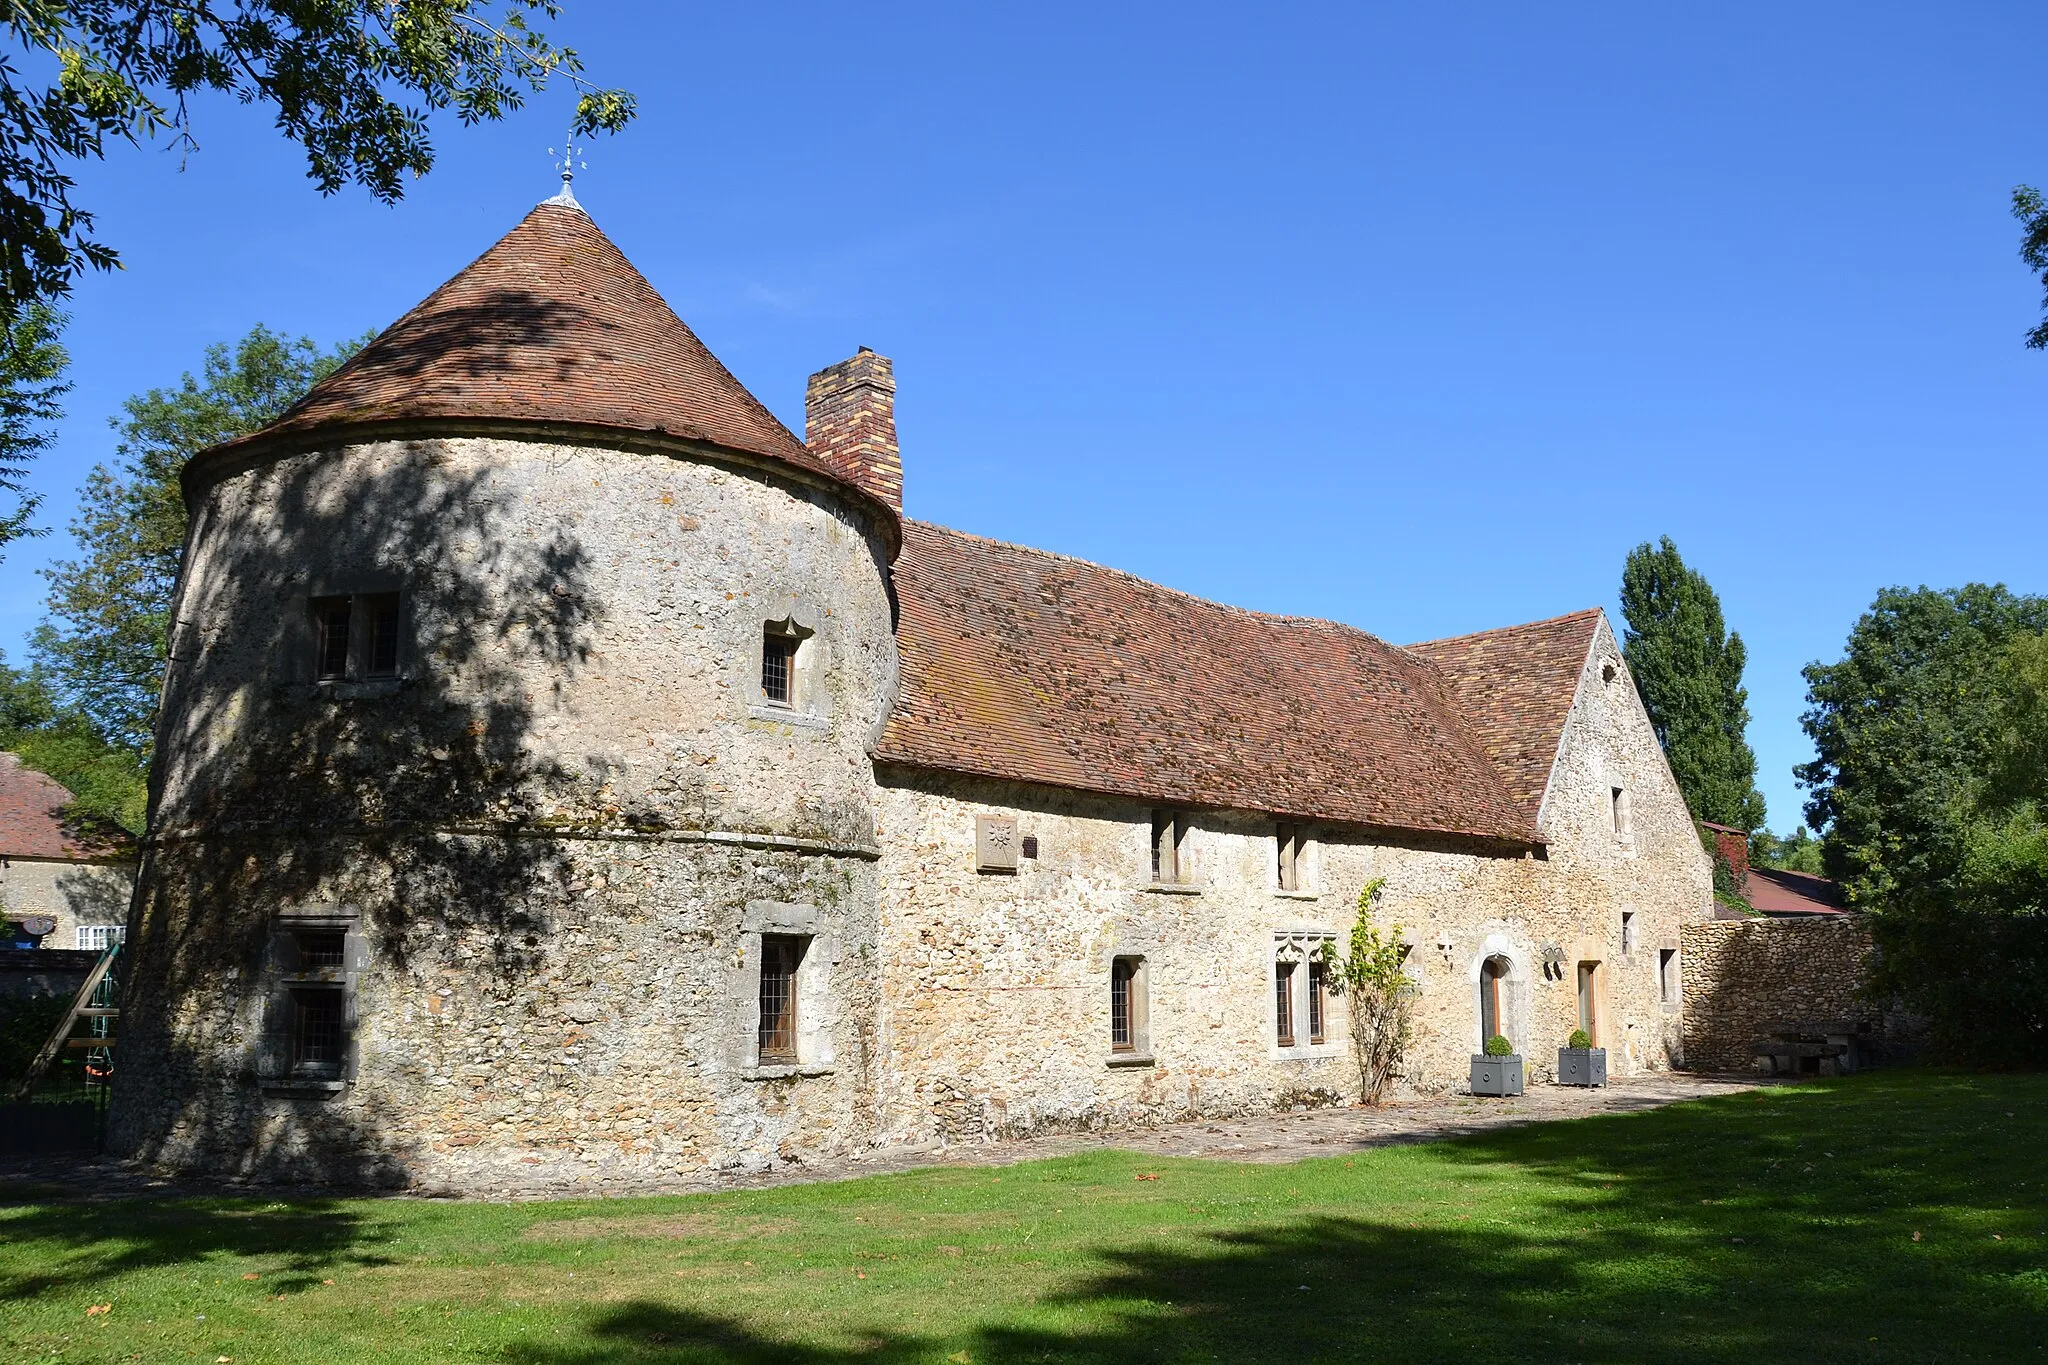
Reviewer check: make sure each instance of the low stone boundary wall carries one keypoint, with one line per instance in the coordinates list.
(1741, 976)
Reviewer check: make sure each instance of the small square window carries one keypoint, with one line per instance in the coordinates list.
(356, 636)
(321, 950)
(781, 954)
(778, 667)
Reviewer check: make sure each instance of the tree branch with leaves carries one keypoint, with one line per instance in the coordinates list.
(353, 82)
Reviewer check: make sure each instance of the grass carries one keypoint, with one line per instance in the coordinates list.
(1896, 1216)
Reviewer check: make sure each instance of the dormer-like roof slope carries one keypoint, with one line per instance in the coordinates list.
(1021, 664)
(552, 325)
(32, 823)
(1513, 688)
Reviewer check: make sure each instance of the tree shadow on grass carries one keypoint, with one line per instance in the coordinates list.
(1780, 1228)
(82, 1244)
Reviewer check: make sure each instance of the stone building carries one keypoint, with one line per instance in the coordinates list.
(63, 883)
(567, 774)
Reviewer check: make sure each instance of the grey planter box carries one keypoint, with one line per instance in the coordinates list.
(1582, 1066)
(1496, 1075)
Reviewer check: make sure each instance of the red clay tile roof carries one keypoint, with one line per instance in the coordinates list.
(1774, 891)
(1513, 688)
(32, 823)
(552, 324)
(1021, 664)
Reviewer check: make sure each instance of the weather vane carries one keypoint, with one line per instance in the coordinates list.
(568, 164)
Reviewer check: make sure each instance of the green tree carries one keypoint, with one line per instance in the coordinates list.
(102, 648)
(2032, 211)
(352, 82)
(1798, 851)
(107, 784)
(1906, 728)
(1382, 996)
(1966, 948)
(32, 383)
(1688, 667)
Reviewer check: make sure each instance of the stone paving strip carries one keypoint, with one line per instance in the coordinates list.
(1265, 1138)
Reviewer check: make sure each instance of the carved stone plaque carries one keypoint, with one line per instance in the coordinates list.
(995, 843)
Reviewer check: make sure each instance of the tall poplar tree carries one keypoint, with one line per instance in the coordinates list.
(1688, 666)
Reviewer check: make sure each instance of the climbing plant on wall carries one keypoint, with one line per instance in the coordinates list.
(1382, 996)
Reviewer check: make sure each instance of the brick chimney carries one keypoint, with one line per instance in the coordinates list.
(850, 423)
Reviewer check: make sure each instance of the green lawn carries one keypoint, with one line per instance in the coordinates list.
(1896, 1216)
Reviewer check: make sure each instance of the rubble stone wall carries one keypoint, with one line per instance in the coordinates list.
(1742, 976)
(996, 986)
(555, 839)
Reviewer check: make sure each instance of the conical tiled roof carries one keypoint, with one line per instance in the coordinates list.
(551, 325)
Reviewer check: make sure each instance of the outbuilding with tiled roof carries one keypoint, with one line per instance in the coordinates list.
(64, 882)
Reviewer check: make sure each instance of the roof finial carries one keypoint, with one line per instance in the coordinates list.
(568, 166)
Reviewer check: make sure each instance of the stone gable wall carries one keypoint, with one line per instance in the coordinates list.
(1741, 976)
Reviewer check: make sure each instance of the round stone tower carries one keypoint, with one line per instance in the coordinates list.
(511, 824)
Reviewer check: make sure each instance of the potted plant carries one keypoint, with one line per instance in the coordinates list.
(1497, 1071)
(1579, 1062)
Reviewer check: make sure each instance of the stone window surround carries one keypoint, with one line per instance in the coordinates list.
(1297, 944)
(814, 974)
(1134, 942)
(303, 639)
(804, 710)
(1167, 830)
(281, 975)
(1307, 862)
(1139, 1053)
(1515, 999)
(1670, 977)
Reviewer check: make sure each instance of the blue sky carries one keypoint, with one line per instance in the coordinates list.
(1415, 317)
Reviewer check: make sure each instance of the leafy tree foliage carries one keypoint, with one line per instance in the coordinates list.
(1688, 667)
(1905, 728)
(1371, 972)
(107, 784)
(2032, 211)
(1932, 734)
(32, 383)
(1798, 851)
(1970, 952)
(351, 81)
(100, 654)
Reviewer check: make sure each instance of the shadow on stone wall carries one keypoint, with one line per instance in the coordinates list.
(95, 895)
(415, 800)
